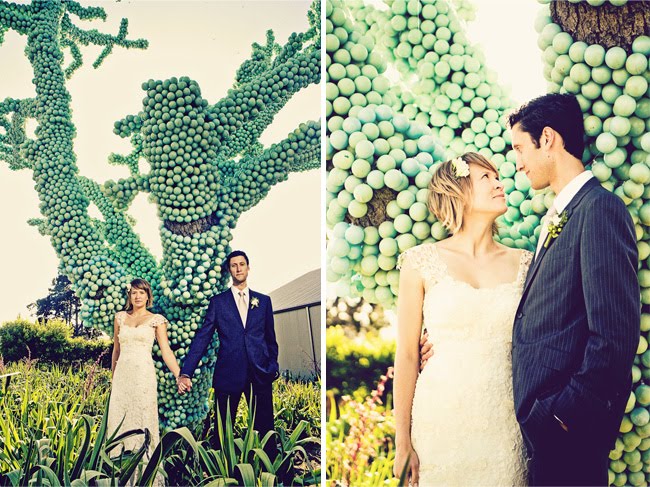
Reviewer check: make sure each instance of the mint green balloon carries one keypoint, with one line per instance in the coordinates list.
(606, 142)
(619, 126)
(580, 73)
(641, 45)
(577, 52)
(562, 42)
(595, 55)
(615, 57)
(636, 86)
(636, 63)
(624, 106)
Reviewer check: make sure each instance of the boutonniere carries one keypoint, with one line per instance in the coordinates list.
(555, 227)
(254, 302)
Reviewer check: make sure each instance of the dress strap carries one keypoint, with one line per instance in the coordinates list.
(425, 259)
(524, 264)
(157, 320)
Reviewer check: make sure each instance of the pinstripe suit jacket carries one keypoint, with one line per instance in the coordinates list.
(576, 329)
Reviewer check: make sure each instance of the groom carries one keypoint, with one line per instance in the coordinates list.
(248, 351)
(576, 329)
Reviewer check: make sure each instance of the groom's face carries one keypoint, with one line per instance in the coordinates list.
(238, 269)
(532, 159)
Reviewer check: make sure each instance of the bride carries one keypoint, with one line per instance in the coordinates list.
(455, 423)
(134, 392)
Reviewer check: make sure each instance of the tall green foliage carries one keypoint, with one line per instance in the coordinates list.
(207, 167)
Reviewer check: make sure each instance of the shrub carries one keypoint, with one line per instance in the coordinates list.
(49, 342)
(355, 362)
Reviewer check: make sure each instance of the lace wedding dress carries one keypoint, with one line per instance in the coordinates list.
(464, 428)
(134, 392)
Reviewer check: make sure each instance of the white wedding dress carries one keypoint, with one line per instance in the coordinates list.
(464, 428)
(134, 392)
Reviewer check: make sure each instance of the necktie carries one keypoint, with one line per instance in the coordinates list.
(544, 233)
(243, 308)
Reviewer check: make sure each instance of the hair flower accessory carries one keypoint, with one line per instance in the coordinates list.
(255, 302)
(461, 169)
(555, 227)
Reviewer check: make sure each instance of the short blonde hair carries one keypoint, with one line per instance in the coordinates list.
(139, 284)
(450, 194)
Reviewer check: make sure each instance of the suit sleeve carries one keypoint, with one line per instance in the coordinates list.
(609, 261)
(201, 340)
(271, 341)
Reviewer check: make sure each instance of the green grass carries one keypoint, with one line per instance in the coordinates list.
(53, 432)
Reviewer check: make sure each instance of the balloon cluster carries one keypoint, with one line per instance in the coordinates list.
(206, 167)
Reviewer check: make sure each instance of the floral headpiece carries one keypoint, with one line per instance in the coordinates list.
(461, 169)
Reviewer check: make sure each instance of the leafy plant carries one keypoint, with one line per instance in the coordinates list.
(359, 435)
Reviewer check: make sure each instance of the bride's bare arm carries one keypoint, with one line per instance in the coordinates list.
(116, 344)
(167, 353)
(407, 361)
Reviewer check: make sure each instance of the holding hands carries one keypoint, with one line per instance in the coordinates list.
(184, 384)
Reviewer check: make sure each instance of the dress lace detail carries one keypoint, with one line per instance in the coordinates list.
(464, 428)
(134, 392)
(424, 258)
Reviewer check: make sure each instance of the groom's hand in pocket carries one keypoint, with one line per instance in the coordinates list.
(426, 349)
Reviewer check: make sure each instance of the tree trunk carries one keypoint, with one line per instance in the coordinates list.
(606, 25)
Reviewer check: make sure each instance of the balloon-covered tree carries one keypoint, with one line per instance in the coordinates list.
(406, 89)
(207, 167)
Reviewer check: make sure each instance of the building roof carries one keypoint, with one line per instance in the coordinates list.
(299, 293)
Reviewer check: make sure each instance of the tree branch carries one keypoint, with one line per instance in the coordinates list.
(300, 151)
(13, 142)
(126, 247)
(16, 17)
(257, 110)
(94, 37)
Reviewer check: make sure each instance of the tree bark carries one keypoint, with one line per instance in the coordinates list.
(606, 25)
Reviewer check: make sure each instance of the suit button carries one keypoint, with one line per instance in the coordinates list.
(520, 315)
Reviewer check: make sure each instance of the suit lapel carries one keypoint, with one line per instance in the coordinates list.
(234, 309)
(588, 186)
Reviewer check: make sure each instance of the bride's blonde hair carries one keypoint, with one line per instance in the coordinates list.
(450, 194)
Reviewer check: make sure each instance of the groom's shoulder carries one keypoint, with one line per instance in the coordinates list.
(600, 199)
(221, 295)
(260, 295)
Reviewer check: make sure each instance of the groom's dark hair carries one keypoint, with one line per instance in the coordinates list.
(561, 112)
(234, 253)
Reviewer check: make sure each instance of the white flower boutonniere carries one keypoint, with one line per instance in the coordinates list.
(461, 169)
(254, 302)
(555, 227)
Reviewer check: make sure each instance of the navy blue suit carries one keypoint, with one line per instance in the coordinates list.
(575, 335)
(247, 356)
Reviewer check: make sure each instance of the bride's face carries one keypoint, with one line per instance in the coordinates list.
(139, 297)
(488, 195)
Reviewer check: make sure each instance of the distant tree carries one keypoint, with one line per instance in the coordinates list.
(60, 302)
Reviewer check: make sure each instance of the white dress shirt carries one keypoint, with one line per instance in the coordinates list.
(562, 200)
